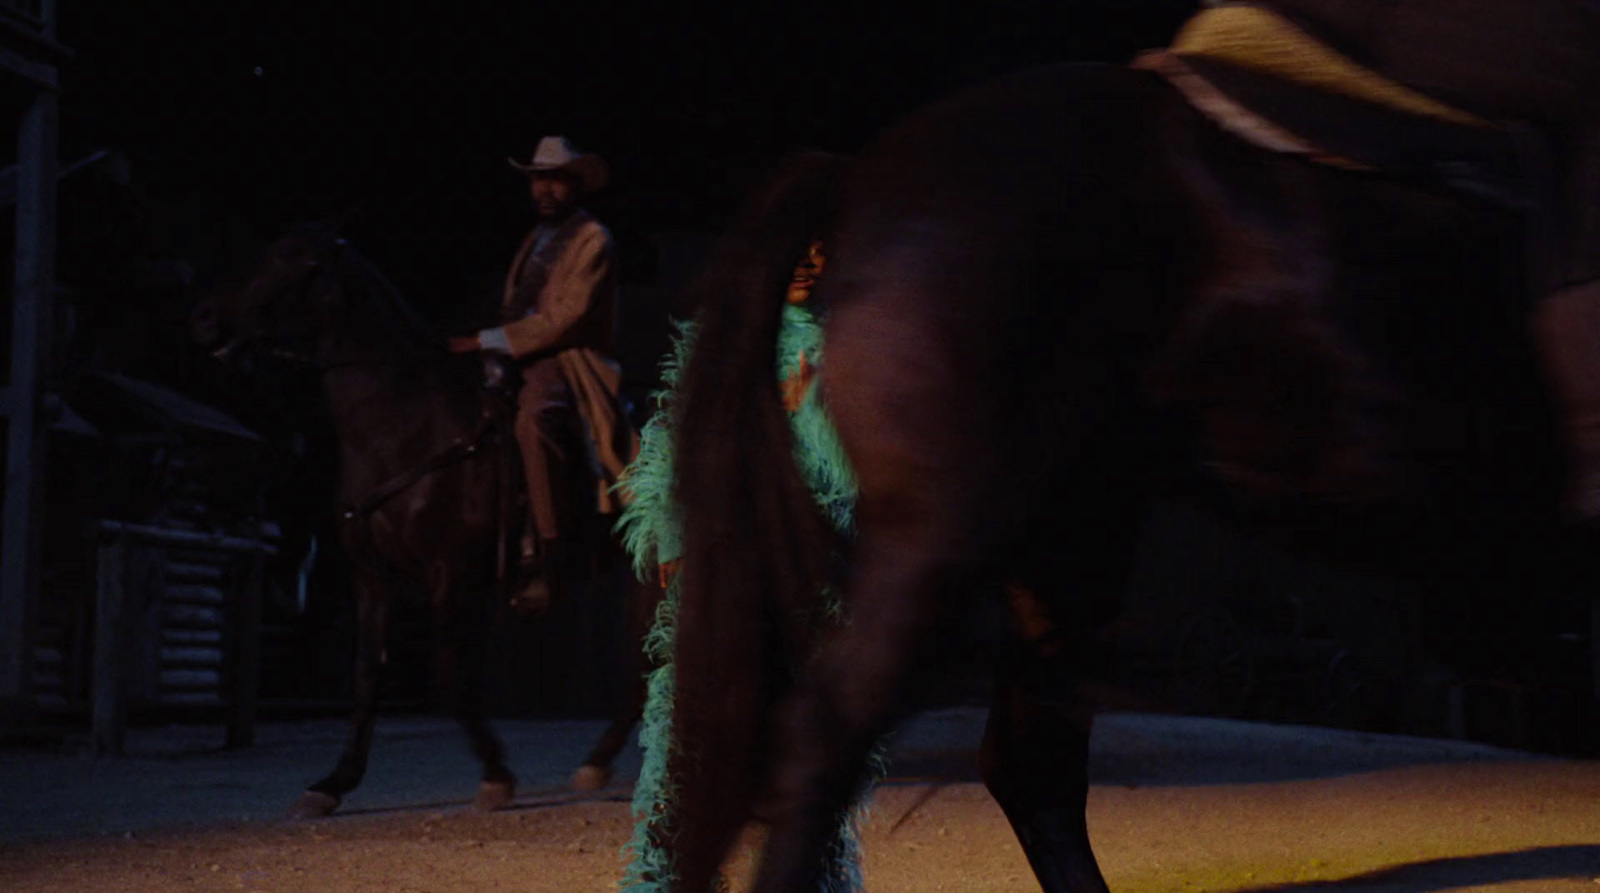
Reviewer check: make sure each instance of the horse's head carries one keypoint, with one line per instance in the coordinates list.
(288, 307)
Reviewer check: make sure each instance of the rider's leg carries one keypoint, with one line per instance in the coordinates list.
(545, 403)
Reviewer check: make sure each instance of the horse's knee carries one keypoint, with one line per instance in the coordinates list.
(1037, 744)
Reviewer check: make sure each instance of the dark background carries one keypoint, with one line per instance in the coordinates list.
(238, 117)
(228, 120)
(242, 116)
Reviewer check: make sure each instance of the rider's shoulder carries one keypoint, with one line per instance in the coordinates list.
(590, 227)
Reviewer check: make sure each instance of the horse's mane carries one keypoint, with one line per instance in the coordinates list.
(406, 327)
(376, 299)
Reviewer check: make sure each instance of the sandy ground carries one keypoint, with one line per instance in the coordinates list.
(1179, 805)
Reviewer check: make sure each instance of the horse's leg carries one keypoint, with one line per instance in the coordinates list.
(642, 600)
(1035, 751)
(461, 645)
(923, 442)
(372, 629)
(1034, 759)
(853, 693)
(595, 773)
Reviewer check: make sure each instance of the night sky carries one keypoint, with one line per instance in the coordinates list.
(243, 115)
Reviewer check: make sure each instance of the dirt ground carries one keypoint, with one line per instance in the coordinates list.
(1170, 813)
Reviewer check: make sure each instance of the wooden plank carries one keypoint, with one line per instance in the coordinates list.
(190, 700)
(191, 636)
(189, 679)
(246, 653)
(190, 594)
(110, 712)
(195, 617)
(190, 656)
(188, 539)
(33, 291)
(192, 572)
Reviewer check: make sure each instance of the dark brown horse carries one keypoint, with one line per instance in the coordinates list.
(1051, 300)
(425, 482)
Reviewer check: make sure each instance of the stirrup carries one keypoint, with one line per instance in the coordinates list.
(534, 595)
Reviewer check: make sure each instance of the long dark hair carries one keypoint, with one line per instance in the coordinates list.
(756, 547)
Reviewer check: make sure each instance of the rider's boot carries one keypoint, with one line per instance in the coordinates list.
(539, 576)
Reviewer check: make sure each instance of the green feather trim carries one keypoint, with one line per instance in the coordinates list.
(651, 529)
(649, 526)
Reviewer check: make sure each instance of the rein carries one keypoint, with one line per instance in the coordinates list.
(462, 449)
(322, 368)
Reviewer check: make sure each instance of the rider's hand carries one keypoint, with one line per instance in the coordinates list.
(464, 344)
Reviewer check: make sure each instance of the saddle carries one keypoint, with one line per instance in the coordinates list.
(1260, 79)
(1258, 76)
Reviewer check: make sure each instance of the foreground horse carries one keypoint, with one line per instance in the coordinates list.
(423, 483)
(1049, 301)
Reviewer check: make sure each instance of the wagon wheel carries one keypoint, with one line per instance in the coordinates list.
(1213, 668)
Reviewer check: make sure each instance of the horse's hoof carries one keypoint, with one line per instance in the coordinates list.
(590, 778)
(493, 795)
(313, 805)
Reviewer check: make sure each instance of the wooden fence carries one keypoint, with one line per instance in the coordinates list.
(177, 624)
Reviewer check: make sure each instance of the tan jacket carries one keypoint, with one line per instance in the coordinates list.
(563, 294)
(560, 301)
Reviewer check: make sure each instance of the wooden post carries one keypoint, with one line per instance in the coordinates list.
(246, 635)
(33, 294)
(110, 719)
(1594, 647)
(1456, 705)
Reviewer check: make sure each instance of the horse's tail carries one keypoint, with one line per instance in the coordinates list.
(756, 546)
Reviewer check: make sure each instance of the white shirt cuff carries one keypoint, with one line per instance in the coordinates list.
(495, 341)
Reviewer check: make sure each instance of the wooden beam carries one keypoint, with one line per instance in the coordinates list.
(1594, 647)
(145, 534)
(245, 665)
(109, 716)
(33, 294)
(40, 75)
(33, 36)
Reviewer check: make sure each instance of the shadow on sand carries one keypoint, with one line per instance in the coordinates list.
(1576, 862)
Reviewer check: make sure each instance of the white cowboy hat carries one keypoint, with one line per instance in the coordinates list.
(556, 153)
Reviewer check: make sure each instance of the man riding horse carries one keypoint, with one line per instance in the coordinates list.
(1537, 63)
(559, 325)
